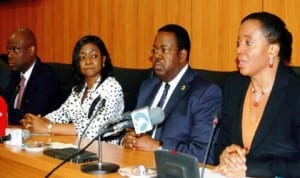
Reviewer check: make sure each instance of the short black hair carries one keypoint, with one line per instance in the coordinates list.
(183, 39)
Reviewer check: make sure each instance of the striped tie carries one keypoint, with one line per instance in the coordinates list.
(161, 104)
(21, 91)
(163, 96)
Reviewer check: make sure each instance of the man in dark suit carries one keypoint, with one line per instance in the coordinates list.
(39, 87)
(191, 102)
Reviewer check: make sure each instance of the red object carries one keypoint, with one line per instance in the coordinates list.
(174, 152)
(233, 152)
(3, 116)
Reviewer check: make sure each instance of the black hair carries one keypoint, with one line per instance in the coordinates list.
(106, 71)
(183, 39)
(274, 29)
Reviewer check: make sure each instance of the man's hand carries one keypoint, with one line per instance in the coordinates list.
(141, 142)
(35, 123)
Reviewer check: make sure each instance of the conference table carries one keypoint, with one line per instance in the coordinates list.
(17, 162)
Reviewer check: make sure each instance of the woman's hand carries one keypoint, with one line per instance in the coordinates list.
(35, 123)
(233, 162)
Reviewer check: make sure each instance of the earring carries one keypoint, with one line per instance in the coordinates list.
(271, 61)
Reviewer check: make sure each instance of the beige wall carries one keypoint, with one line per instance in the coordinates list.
(128, 26)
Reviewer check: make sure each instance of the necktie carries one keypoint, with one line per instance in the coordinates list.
(163, 96)
(161, 104)
(21, 91)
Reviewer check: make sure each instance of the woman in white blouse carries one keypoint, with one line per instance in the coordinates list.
(97, 95)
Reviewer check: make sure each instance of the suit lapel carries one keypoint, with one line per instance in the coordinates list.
(34, 73)
(179, 92)
(14, 83)
(152, 90)
(276, 99)
(240, 91)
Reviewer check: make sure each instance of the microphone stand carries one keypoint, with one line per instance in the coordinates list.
(100, 167)
(215, 123)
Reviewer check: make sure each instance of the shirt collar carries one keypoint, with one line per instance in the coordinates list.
(177, 78)
(27, 74)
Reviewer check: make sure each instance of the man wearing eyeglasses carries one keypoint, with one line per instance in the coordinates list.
(190, 102)
(33, 86)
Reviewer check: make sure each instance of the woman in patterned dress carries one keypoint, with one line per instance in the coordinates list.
(97, 96)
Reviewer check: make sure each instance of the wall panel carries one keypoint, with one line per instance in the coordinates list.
(289, 12)
(128, 27)
(214, 31)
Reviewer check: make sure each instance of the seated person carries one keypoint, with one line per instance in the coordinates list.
(260, 125)
(33, 86)
(97, 95)
(191, 102)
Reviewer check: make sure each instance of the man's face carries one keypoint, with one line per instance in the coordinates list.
(20, 55)
(167, 58)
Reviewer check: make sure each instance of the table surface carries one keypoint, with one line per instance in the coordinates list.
(17, 162)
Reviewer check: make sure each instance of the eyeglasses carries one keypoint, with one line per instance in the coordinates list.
(163, 50)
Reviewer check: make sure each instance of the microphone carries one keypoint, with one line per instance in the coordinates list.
(142, 120)
(90, 114)
(155, 116)
(91, 110)
(212, 133)
(81, 156)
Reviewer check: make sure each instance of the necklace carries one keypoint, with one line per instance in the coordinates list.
(258, 95)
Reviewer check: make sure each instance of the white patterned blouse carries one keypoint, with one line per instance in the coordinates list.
(72, 110)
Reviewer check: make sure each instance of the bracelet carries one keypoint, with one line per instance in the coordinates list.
(49, 127)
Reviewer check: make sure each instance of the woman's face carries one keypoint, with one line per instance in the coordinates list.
(90, 61)
(252, 49)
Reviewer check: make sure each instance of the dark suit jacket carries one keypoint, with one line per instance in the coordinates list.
(39, 96)
(189, 113)
(275, 149)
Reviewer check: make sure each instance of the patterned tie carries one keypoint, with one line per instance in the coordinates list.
(21, 91)
(163, 96)
(161, 104)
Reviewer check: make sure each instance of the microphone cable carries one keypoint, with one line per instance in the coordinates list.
(70, 157)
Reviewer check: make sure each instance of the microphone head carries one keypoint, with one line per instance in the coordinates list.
(144, 118)
(156, 115)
